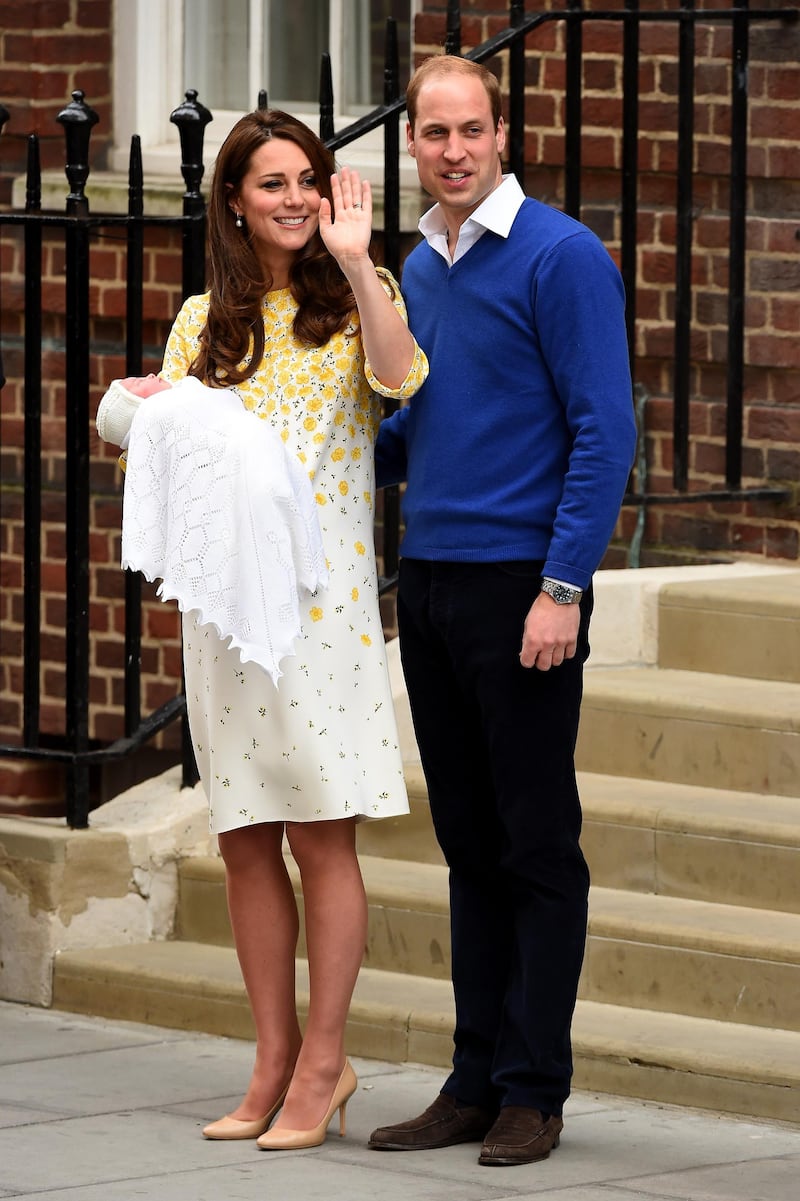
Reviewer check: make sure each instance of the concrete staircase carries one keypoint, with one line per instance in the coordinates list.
(690, 780)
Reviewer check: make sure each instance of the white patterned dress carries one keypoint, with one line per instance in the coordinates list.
(323, 744)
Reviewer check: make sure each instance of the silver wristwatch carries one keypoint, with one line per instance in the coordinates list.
(562, 594)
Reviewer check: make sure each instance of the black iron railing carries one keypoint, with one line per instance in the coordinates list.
(78, 225)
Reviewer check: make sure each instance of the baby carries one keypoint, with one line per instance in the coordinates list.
(217, 509)
(117, 408)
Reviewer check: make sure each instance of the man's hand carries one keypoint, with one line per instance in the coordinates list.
(550, 634)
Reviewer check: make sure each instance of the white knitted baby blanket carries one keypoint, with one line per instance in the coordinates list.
(216, 508)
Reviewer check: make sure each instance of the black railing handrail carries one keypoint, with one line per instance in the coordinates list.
(509, 37)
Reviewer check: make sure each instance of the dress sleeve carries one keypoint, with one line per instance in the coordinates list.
(418, 371)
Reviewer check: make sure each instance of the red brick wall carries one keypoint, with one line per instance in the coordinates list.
(48, 49)
(688, 532)
(161, 637)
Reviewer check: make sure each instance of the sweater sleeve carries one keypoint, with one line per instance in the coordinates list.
(580, 318)
(391, 454)
(390, 444)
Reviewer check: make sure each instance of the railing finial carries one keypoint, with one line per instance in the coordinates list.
(191, 118)
(77, 119)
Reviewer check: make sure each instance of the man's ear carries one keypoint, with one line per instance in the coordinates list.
(500, 136)
(410, 139)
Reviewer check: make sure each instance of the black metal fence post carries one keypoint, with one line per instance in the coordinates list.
(32, 504)
(4, 115)
(391, 153)
(573, 106)
(191, 118)
(391, 256)
(630, 169)
(452, 43)
(78, 120)
(516, 95)
(327, 130)
(683, 249)
(133, 366)
(736, 250)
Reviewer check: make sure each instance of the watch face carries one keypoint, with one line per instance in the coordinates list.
(561, 594)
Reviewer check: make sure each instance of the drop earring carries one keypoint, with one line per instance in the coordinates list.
(239, 222)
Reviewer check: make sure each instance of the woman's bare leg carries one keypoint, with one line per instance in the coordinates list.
(336, 933)
(264, 920)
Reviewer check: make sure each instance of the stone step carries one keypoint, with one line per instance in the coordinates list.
(698, 958)
(706, 844)
(747, 627)
(408, 837)
(409, 915)
(709, 844)
(691, 727)
(695, 958)
(632, 1052)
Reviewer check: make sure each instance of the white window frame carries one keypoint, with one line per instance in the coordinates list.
(148, 43)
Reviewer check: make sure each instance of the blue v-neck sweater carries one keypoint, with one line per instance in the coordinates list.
(519, 444)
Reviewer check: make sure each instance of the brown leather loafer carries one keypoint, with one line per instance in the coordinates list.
(520, 1135)
(443, 1124)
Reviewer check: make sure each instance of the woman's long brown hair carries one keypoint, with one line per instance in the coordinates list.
(238, 283)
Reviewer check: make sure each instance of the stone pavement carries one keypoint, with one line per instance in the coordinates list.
(92, 1110)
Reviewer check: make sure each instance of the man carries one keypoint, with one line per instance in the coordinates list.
(516, 453)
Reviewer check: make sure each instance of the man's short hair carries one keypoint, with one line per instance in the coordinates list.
(439, 66)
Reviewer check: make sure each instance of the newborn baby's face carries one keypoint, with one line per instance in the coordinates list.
(144, 386)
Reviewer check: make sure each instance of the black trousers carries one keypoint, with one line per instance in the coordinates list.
(497, 745)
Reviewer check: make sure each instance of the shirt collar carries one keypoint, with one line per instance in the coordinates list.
(496, 213)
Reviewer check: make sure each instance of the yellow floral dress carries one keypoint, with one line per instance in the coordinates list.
(323, 744)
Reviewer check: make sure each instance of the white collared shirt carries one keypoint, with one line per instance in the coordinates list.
(495, 213)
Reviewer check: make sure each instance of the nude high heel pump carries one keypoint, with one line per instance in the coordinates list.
(231, 1128)
(295, 1140)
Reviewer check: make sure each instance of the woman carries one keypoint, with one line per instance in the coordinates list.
(302, 327)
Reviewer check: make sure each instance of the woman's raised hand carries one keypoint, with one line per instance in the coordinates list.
(347, 230)
(389, 347)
